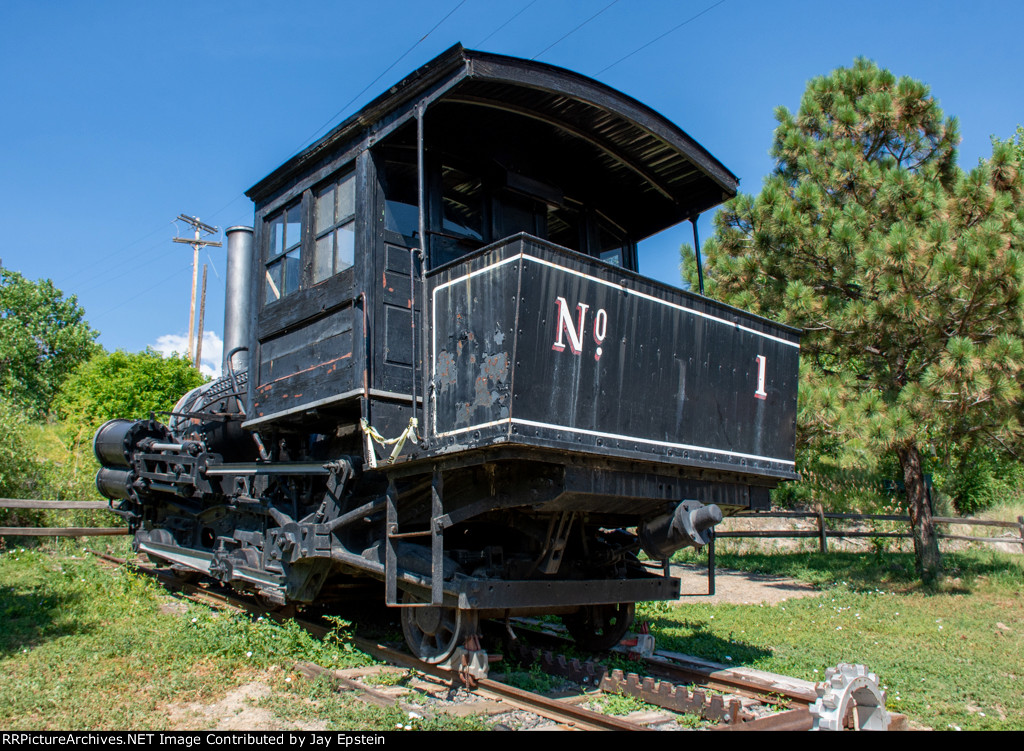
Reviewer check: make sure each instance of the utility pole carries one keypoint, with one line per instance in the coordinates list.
(196, 244)
(202, 317)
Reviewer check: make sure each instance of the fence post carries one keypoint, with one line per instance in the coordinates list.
(822, 534)
(1020, 525)
(711, 561)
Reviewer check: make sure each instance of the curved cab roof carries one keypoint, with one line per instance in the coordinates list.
(660, 175)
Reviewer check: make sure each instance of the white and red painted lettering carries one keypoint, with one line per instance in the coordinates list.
(575, 330)
(565, 326)
(600, 330)
(762, 362)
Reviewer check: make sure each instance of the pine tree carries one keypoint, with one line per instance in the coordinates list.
(1015, 142)
(905, 273)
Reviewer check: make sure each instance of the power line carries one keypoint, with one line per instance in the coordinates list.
(371, 83)
(94, 264)
(222, 208)
(569, 34)
(339, 112)
(104, 277)
(513, 18)
(140, 293)
(660, 36)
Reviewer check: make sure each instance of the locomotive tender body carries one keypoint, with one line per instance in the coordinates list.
(630, 368)
(454, 268)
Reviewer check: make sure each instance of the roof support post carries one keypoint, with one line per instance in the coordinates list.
(421, 192)
(696, 250)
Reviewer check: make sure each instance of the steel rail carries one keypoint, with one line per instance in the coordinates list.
(766, 687)
(791, 720)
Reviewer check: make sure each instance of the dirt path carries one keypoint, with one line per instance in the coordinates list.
(741, 588)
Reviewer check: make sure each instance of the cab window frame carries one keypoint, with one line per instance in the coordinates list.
(334, 237)
(283, 256)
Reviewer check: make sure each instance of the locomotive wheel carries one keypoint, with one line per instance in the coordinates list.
(434, 632)
(600, 627)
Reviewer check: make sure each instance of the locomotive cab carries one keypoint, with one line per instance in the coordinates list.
(457, 384)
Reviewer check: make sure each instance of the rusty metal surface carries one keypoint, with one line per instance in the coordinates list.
(584, 719)
(770, 688)
(664, 694)
(792, 720)
(757, 682)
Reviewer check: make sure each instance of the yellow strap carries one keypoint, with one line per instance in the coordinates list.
(408, 434)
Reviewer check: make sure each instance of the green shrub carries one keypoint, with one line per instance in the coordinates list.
(14, 449)
(124, 384)
(982, 478)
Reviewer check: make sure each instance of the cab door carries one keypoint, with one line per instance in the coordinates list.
(395, 276)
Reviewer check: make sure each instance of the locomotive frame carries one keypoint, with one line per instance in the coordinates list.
(455, 267)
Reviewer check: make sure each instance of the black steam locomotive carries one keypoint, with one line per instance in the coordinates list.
(445, 376)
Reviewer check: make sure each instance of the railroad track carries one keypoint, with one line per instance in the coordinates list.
(673, 681)
(563, 713)
(736, 699)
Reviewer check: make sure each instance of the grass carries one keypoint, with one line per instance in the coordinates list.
(82, 647)
(388, 678)
(620, 704)
(1008, 511)
(533, 679)
(948, 656)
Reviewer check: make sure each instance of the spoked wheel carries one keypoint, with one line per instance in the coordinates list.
(600, 627)
(434, 632)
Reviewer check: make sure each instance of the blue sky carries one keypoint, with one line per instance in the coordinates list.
(118, 116)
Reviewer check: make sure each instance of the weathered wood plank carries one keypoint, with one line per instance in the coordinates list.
(31, 503)
(973, 522)
(62, 531)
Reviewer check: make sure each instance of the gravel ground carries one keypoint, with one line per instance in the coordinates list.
(738, 587)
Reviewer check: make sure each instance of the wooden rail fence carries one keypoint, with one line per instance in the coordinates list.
(823, 532)
(57, 531)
